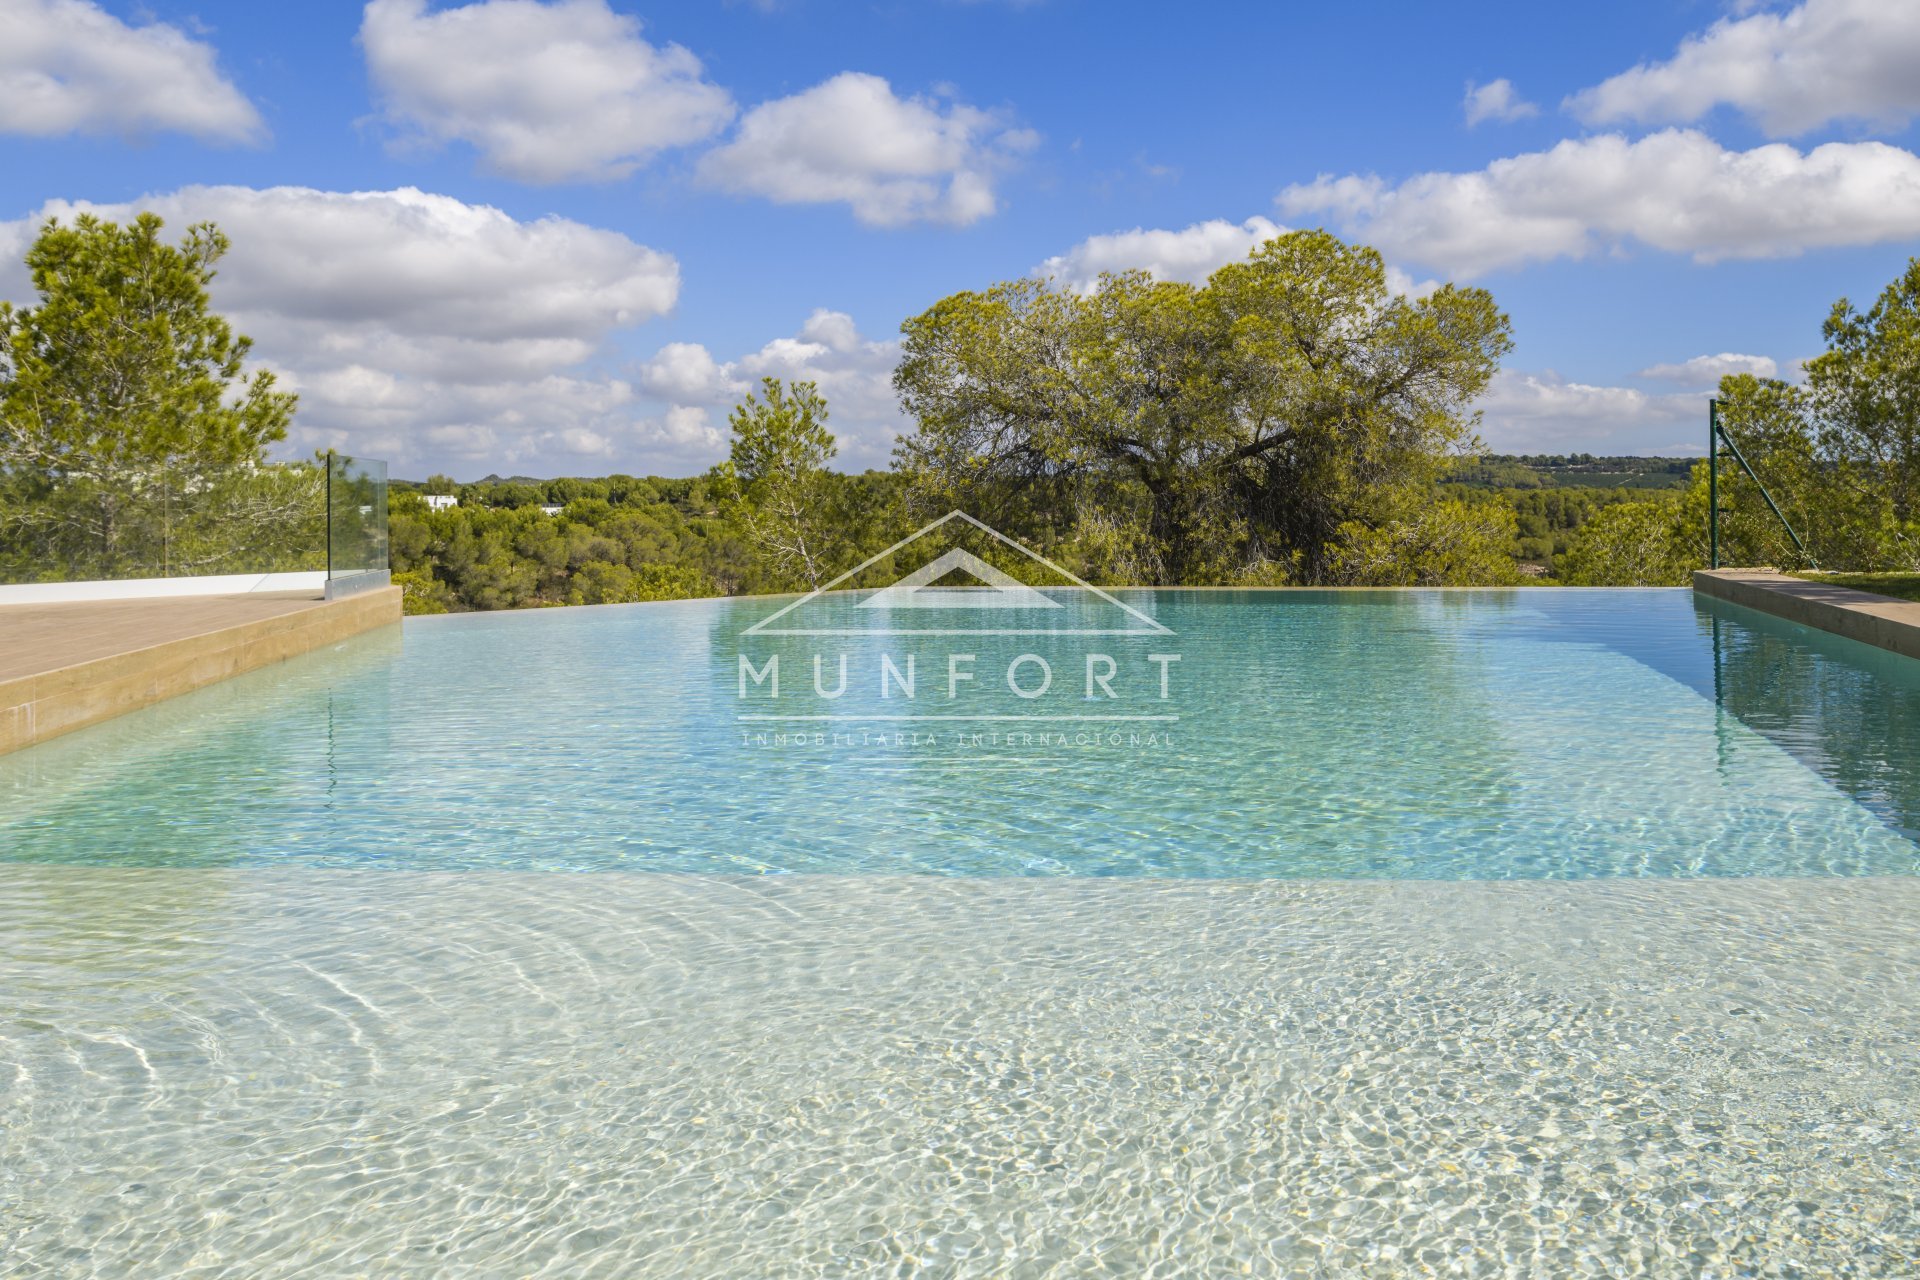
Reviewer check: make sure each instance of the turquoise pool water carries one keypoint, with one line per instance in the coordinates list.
(1410, 934)
(1424, 735)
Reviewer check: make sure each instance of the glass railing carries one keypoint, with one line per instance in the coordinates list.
(161, 520)
(356, 522)
(184, 526)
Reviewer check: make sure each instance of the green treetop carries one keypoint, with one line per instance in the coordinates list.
(127, 419)
(1266, 418)
(1866, 391)
(774, 484)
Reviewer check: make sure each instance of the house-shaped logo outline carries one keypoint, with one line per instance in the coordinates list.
(920, 581)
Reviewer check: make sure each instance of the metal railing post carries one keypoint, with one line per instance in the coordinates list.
(1713, 483)
(1718, 434)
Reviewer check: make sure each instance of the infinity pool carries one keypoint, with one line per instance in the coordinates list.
(1399, 735)
(1530, 933)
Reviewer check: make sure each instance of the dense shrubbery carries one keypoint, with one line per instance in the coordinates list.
(614, 540)
(619, 539)
(1546, 520)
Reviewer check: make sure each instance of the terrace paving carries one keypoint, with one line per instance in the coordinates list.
(68, 665)
(38, 638)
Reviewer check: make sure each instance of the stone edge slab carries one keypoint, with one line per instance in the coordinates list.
(1880, 621)
(47, 704)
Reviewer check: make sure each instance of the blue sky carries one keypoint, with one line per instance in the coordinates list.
(582, 228)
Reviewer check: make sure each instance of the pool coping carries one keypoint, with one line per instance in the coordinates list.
(48, 703)
(1881, 621)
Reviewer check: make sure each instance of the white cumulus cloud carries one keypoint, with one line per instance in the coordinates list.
(854, 373)
(1706, 371)
(687, 373)
(1189, 255)
(416, 327)
(68, 66)
(687, 431)
(1496, 100)
(1676, 190)
(1542, 412)
(892, 160)
(1792, 71)
(547, 92)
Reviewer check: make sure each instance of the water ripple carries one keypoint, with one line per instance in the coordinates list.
(561, 1075)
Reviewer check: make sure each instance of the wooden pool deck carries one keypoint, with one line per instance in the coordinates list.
(66, 666)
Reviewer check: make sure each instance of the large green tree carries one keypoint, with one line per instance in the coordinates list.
(1865, 394)
(1250, 427)
(774, 483)
(132, 438)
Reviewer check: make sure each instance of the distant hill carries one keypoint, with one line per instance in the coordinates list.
(1572, 470)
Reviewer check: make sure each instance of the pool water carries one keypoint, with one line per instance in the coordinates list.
(1519, 933)
(1428, 735)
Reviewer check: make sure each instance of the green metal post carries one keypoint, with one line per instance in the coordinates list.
(1715, 436)
(1772, 506)
(1713, 482)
